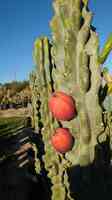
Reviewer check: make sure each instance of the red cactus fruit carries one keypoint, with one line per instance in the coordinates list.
(62, 140)
(62, 106)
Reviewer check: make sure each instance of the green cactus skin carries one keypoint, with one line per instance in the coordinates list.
(69, 63)
(75, 54)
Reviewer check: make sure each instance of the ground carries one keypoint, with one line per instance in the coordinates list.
(12, 123)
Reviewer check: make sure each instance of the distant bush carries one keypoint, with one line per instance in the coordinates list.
(15, 92)
(15, 86)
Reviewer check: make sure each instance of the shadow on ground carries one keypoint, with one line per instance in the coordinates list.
(93, 182)
(18, 179)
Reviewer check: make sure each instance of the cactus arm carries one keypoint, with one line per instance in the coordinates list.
(50, 161)
(94, 111)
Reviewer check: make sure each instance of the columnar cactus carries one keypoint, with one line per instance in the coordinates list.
(70, 63)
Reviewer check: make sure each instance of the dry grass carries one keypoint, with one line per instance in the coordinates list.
(21, 112)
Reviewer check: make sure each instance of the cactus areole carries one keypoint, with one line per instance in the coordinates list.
(62, 140)
(62, 106)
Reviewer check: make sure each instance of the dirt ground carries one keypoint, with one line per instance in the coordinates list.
(20, 112)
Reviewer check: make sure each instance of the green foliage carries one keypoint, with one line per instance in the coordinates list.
(16, 86)
(105, 70)
(106, 50)
(107, 104)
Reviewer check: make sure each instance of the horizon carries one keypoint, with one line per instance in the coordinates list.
(22, 22)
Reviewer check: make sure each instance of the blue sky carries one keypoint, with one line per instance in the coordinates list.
(21, 21)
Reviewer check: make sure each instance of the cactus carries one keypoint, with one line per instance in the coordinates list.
(71, 62)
